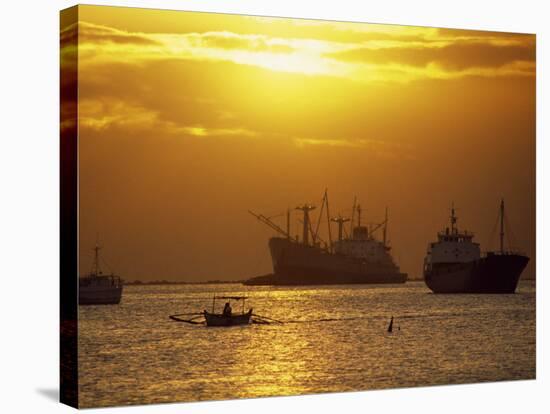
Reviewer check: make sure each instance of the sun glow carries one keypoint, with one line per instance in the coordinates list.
(206, 110)
(387, 54)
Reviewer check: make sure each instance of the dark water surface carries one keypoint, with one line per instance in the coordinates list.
(133, 353)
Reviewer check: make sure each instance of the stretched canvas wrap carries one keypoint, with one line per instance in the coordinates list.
(256, 206)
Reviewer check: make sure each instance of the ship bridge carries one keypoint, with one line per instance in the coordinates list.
(453, 246)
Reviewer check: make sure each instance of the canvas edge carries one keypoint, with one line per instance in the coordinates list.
(68, 181)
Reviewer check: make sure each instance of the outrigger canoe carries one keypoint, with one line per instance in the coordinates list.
(220, 319)
(217, 319)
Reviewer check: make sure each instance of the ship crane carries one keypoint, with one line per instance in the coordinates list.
(271, 224)
(377, 226)
(307, 259)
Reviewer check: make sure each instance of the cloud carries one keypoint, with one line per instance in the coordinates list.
(201, 131)
(209, 86)
(112, 116)
(453, 56)
(113, 113)
(101, 115)
(228, 40)
(389, 53)
(92, 33)
(379, 148)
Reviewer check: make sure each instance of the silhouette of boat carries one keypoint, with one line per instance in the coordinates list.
(454, 264)
(97, 288)
(228, 319)
(359, 258)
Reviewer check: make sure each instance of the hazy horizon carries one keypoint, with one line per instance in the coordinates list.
(189, 120)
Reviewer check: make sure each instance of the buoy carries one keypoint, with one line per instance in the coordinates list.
(390, 327)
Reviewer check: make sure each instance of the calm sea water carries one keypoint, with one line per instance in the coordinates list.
(133, 353)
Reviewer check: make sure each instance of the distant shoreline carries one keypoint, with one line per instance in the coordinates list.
(227, 282)
(173, 282)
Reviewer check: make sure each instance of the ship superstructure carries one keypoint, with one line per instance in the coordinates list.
(455, 263)
(357, 258)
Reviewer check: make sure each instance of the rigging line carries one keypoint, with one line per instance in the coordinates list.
(311, 231)
(320, 217)
(493, 233)
(510, 236)
(109, 268)
(275, 216)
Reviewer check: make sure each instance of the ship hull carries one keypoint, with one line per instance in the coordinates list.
(109, 296)
(296, 264)
(495, 273)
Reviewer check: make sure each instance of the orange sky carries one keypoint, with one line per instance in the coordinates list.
(187, 120)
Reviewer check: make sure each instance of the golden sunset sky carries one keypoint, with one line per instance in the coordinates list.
(187, 120)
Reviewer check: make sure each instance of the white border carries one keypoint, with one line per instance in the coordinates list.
(29, 207)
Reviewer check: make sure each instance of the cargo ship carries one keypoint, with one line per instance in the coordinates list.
(455, 264)
(98, 288)
(359, 258)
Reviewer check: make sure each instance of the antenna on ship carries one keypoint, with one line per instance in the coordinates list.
(502, 226)
(453, 219)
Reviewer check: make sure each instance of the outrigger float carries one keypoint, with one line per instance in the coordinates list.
(225, 318)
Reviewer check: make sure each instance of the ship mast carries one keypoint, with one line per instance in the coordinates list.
(353, 213)
(288, 224)
(306, 208)
(453, 219)
(340, 220)
(502, 226)
(323, 202)
(328, 224)
(385, 227)
(95, 268)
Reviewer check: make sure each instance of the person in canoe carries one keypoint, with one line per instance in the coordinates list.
(227, 310)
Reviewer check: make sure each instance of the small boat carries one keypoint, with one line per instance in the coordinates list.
(228, 317)
(455, 263)
(98, 288)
